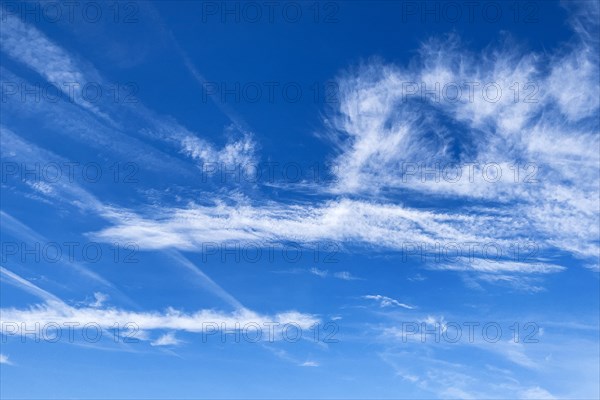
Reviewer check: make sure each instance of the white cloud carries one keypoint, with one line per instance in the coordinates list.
(385, 301)
(380, 130)
(168, 339)
(349, 222)
(24, 284)
(319, 272)
(29, 46)
(99, 299)
(55, 311)
(345, 275)
(323, 273)
(309, 364)
(382, 225)
(171, 319)
(499, 266)
(536, 393)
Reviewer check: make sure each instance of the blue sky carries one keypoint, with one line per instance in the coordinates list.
(300, 200)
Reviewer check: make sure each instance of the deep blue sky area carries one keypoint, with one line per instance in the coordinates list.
(383, 199)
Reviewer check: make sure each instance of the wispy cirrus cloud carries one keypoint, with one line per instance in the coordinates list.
(394, 122)
(55, 311)
(4, 359)
(381, 127)
(168, 339)
(385, 301)
(27, 45)
(514, 364)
